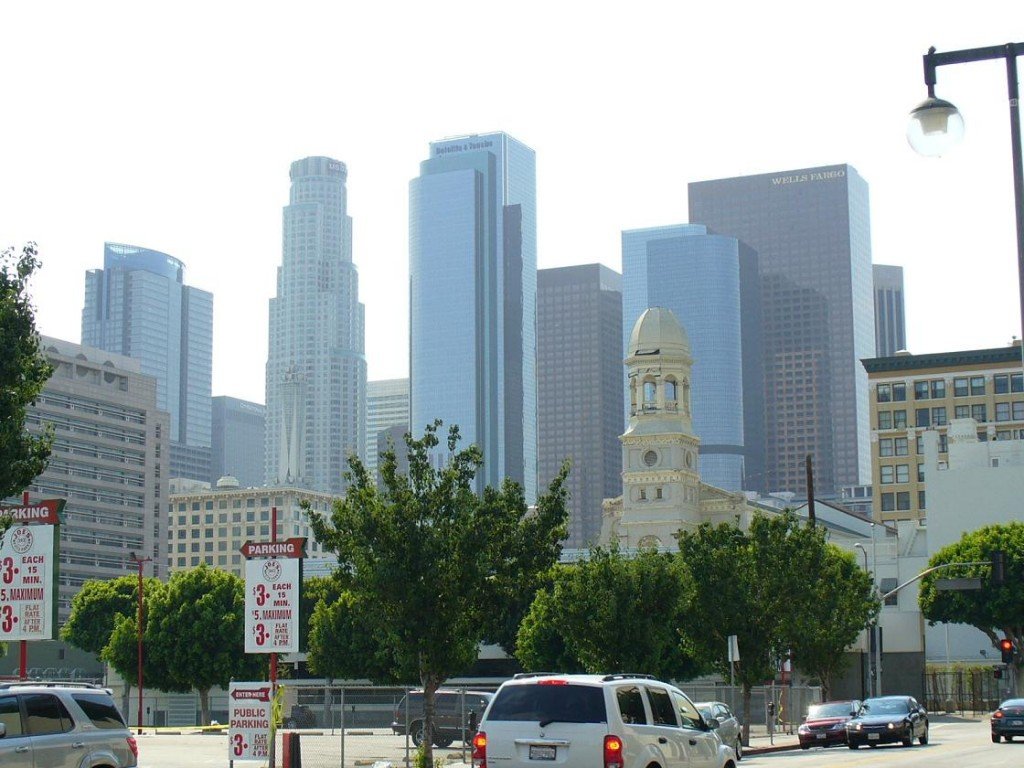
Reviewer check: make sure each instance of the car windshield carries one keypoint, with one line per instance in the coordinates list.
(832, 709)
(549, 703)
(885, 707)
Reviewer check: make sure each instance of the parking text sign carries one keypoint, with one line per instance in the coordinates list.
(249, 721)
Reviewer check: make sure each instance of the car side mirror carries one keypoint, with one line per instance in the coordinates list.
(712, 724)
(853, 714)
(3, 730)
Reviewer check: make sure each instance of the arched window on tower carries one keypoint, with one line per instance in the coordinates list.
(650, 393)
(671, 394)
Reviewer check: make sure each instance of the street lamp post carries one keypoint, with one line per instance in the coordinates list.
(139, 562)
(935, 125)
(867, 627)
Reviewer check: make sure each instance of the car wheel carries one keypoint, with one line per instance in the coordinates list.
(808, 746)
(852, 745)
(995, 738)
(924, 736)
(443, 741)
(739, 750)
(909, 741)
(416, 732)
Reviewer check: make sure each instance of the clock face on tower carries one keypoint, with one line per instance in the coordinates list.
(650, 458)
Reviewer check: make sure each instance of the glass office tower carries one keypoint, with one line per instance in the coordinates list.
(890, 323)
(139, 306)
(811, 231)
(579, 385)
(473, 296)
(710, 282)
(316, 366)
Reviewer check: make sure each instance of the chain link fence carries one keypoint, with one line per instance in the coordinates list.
(346, 726)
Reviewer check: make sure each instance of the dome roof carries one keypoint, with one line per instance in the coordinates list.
(228, 481)
(657, 331)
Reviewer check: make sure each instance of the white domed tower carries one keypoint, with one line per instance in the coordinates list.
(660, 473)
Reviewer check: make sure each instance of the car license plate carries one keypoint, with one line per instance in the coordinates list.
(1017, 722)
(819, 736)
(872, 737)
(538, 752)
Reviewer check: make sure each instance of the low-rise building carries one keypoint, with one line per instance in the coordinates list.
(210, 525)
(910, 394)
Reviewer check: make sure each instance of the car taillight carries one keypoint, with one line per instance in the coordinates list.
(613, 752)
(997, 714)
(133, 745)
(480, 750)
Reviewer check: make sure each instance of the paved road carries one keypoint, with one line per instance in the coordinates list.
(955, 743)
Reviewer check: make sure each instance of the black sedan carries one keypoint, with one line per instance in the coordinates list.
(887, 720)
(1008, 720)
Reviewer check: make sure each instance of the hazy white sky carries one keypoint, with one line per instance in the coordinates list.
(172, 126)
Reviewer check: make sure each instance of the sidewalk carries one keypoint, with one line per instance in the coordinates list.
(761, 743)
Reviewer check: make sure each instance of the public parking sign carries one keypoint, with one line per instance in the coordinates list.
(272, 592)
(249, 721)
(28, 572)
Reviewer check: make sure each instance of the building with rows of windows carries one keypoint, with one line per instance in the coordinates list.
(911, 394)
(209, 525)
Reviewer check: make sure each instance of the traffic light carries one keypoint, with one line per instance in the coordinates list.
(998, 568)
(1006, 648)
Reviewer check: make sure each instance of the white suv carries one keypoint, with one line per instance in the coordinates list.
(595, 721)
(62, 725)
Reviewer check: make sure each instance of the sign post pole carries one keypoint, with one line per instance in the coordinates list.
(273, 580)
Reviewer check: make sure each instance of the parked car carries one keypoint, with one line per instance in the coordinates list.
(62, 724)
(886, 720)
(583, 721)
(1008, 720)
(301, 716)
(825, 724)
(730, 730)
(455, 715)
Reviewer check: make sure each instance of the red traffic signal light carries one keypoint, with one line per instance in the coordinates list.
(1006, 648)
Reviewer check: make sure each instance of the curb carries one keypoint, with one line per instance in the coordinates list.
(769, 749)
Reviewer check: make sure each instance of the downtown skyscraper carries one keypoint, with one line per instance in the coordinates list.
(139, 306)
(579, 386)
(316, 366)
(811, 231)
(473, 300)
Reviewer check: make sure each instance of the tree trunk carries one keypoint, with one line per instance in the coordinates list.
(204, 706)
(430, 686)
(746, 714)
(126, 702)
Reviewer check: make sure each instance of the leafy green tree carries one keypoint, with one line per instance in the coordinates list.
(316, 590)
(598, 614)
(755, 585)
(96, 606)
(23, 372)
(194, 636)
(996, 610)
(425, 554)
(837, 604)
(96, 610)
(344, 642)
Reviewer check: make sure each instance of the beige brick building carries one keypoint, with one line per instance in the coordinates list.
(209, 525)
(911, 394)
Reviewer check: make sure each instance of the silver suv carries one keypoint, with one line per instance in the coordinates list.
(596, 721)
(62, 725)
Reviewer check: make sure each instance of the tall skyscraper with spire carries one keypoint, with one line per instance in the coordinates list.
(473, 300)
(316, 366)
